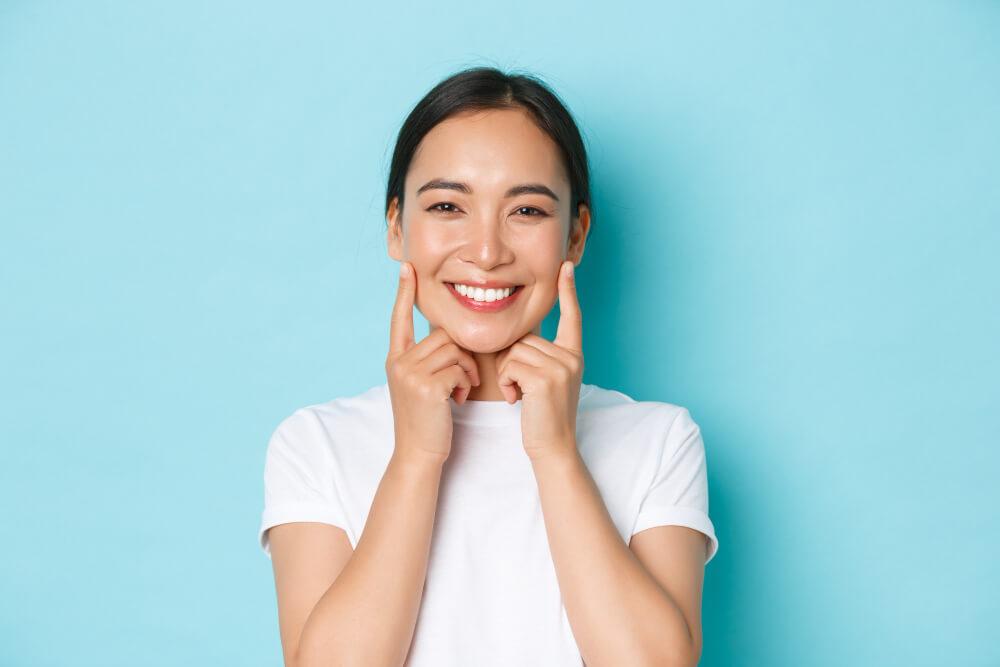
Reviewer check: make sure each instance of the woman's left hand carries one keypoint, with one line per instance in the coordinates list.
(549, 374)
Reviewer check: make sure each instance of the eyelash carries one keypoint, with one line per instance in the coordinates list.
(540, 213)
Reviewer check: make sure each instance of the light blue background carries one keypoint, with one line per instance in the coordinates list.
(796, 237)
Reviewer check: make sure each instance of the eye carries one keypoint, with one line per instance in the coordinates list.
(444, 203)
(538, 212)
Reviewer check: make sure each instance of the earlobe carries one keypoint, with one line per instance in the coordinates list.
(392, 243)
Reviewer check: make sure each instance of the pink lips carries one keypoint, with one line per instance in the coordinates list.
(484, 306)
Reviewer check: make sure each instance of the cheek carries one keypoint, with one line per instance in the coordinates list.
(547, 247)
(546, 278)
(550, 294)
(543, 250)
(428, 239)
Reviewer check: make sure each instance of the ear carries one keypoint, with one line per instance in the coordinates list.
(394, 233)
(578, 235)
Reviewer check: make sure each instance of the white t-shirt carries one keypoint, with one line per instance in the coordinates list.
(491, 596)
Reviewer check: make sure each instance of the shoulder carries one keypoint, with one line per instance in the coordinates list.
(600, 404)
(322, 421)
(368, 405)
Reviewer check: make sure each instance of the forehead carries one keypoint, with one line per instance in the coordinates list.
(490, 150)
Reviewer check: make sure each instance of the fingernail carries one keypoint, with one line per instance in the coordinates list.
(569, 271)
(404, 270)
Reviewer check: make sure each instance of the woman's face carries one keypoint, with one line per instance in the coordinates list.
(476, 230)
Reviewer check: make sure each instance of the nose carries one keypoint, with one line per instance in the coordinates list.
(485, 245)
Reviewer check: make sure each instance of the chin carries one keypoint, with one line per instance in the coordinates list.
(482, 341)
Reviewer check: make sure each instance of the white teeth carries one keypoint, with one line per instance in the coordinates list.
(479, 294)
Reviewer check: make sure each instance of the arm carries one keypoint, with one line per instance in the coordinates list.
(620, 614)
(368, 614)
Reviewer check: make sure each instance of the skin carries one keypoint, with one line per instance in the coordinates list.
(447, 235)
(653, 581)
(344, 606)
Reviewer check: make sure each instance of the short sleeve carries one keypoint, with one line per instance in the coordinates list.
(298, 479)
(678, 494)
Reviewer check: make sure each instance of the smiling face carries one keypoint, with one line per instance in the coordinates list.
(484, 227)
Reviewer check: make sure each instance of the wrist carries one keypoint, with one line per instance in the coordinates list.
(558, 456)
(419, 460)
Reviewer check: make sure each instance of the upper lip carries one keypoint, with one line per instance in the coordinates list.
(485, 284)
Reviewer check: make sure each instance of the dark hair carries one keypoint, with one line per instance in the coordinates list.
(483, 88)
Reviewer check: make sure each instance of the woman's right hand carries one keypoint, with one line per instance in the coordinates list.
(422, 377)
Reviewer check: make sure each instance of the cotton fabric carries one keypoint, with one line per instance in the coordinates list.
(491, 596)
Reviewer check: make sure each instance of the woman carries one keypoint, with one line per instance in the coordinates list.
(484, 506)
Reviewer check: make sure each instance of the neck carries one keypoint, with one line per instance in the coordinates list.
(489, 385)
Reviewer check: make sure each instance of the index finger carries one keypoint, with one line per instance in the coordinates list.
(401, 322)
(569, 333)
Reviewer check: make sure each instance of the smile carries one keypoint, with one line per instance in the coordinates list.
(490, 300)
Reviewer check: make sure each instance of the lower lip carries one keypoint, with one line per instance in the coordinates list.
(485, 306)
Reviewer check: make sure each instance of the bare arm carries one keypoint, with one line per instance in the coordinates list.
(368, 614)
(619, 612)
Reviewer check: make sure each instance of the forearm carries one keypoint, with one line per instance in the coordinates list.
(368, 614)
(619, 614)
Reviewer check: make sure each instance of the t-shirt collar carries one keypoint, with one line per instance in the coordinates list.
(494, 412)
(488, 412)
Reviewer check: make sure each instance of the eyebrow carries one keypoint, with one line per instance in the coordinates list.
(524, 188)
